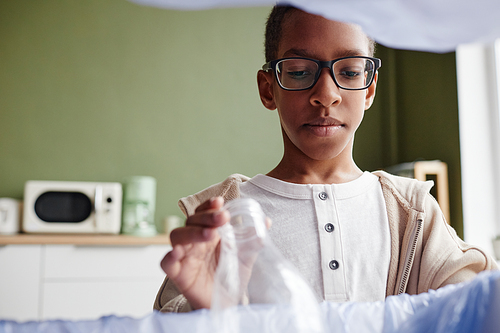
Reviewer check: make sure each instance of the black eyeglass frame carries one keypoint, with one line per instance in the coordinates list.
(271, 65)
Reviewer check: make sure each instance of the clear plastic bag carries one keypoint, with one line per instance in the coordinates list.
(252, 271)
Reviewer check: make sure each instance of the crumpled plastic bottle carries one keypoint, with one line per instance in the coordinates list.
(251, 271)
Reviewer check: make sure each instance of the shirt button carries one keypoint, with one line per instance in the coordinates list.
(323, 195)
(334, 264)
(329, 227)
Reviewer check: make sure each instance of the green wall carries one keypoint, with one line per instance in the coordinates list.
(101, 90)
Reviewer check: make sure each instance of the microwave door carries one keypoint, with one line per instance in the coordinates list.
(63, 207)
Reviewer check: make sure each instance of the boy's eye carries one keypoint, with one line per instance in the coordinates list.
(349, 74)
(298, 74)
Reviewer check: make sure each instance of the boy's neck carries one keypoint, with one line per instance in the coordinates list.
(300, 168)
(316, 172)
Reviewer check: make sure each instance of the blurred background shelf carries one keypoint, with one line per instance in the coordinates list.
(83, 239)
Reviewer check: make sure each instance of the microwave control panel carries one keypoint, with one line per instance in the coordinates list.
(109, 211)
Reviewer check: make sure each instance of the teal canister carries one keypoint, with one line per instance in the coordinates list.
(139, 202)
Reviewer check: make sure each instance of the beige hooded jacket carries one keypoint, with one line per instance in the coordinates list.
(426, 252)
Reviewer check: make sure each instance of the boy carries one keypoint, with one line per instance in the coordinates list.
(354, 235)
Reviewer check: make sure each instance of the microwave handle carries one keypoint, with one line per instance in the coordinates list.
(97, 203)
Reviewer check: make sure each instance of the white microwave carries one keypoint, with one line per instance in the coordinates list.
(72, 207)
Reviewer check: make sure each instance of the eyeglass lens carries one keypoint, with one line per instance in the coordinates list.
(349, 73)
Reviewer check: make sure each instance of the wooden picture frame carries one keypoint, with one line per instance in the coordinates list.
(436, 171)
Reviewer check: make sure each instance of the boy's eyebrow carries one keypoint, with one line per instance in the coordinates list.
(304, 53)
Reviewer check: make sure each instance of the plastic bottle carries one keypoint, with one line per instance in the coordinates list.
(251, 271)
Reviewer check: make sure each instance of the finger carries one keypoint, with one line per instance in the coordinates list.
(212, 203)
(192, 234)
(170, 264)
(210, 218)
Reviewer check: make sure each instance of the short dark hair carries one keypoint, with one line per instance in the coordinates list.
(273, 33)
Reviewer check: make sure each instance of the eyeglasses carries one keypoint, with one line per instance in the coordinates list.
(350, 73)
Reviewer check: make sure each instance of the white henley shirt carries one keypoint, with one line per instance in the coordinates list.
(336, 235)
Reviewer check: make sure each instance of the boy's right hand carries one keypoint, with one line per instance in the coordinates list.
(193, 260)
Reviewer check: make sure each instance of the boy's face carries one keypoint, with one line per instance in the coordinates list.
(319, 122)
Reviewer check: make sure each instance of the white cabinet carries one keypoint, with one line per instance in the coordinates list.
(90, 300)
(77, 282)
(19, 281)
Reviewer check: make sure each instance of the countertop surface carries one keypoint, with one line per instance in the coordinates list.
(84, 239)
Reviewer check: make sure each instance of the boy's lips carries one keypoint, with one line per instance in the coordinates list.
(324, 127)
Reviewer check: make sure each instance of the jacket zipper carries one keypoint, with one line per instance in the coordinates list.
(409, 258)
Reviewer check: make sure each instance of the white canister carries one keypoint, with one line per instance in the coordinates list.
(10, 216)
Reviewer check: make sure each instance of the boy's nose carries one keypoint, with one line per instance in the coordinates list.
(325, 92)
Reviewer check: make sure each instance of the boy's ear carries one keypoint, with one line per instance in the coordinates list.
(265, 83)
(370, 93)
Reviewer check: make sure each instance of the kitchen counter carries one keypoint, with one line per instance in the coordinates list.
(84, 239)
(79, 276)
